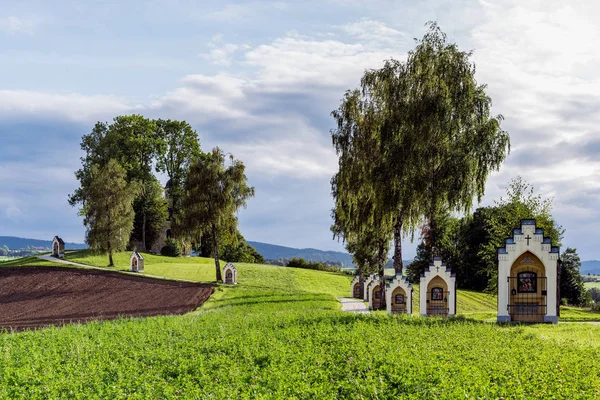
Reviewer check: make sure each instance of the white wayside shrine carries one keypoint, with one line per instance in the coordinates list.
(231, 274)
(136, 262)
(58, 247)
(366, 284)
(374, 292)
(528, 276)
(399, 296)
(356, 288)
(437, 295)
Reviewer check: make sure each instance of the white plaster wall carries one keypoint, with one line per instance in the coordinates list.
(399, 281)
(368, 281)
(437, 269)
(354, 282)
(516, 250)
(233, 269)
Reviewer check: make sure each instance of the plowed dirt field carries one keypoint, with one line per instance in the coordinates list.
(32, 297)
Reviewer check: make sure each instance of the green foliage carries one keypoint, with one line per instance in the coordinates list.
(595, 294)
(181, 145)
(571, 281)
(315, 265)
(213, 194)
(417, 140)
(151, 213)
(109, 217)
(238, 250)
(172, 248)
(138, 143)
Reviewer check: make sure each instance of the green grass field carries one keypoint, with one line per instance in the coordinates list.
(589, 285)
(280, 334)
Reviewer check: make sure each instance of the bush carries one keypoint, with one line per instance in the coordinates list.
(596, 307)
(302, 263)
(595, 294)
(564, 302)
(171, 248)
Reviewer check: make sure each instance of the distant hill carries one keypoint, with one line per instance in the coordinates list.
(15, 243)
(274, 252)
(591, 267)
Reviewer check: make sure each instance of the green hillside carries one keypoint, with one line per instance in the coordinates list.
(280, 334)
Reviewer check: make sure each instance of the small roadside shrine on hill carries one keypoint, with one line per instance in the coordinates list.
(528, 276)
(58, 247)
(230, 273)
(437, 295)
(136, 262)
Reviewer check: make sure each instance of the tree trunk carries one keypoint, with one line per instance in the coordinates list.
(381, 264)
(216, 253)
(398, 246)
(144, 232)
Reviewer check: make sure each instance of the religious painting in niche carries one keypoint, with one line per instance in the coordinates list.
(134, 263)
(437, 293)
(357, 290)
(399, 299)
(378, 294)
(527, 282)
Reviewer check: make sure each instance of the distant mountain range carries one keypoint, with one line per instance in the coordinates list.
(15, 243)
(274, 252)
(590, 267)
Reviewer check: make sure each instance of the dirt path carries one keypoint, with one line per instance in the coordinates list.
(38, 296)
(353, 305)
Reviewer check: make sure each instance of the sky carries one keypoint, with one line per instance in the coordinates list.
(260, 78)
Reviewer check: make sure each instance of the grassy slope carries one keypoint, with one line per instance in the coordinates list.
(27, 261)
(279, 334)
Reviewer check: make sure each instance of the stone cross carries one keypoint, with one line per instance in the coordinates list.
(528, 238)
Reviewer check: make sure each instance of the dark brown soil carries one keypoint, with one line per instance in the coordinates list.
(32, 297)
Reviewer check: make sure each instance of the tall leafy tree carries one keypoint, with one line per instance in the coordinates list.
(214, 192)
(151, 214)
(359, 213)
(461, 143)
(109, 212)
(572, 287)
(181, 145)
(139, 144)
(437, 141)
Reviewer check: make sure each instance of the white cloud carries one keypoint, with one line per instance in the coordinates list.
(223, 55)
(14, 25)
(375, 33)
(74, 106)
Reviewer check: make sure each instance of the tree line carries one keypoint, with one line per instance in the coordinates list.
(123, 202)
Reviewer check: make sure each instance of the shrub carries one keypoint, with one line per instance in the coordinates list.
(564, 302)
(171, 248)
(302, 263)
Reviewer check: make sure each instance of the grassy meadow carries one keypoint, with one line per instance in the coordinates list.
(280, 334)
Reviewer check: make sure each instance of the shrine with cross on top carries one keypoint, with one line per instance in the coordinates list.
(528, 276)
